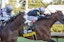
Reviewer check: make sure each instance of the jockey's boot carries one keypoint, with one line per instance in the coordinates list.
(31, 25)
(30, 28)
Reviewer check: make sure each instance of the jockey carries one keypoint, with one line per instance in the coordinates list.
(6, 13)
(35, 14)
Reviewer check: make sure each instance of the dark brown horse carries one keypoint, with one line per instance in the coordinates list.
(10, 31)
(43, 26)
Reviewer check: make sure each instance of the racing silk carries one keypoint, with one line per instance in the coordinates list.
(31, 16)
(3, 9)
(5, 16)
(33, 13)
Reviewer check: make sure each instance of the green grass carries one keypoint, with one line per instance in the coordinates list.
(21, 39)
(59, 39)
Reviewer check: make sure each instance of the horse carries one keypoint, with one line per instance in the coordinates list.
(43, 27)
(12, 30)
(9, 33)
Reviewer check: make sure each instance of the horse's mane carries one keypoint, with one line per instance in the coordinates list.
(14, 17)
(11, 21)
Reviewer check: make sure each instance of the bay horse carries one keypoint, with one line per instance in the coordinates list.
(9, 33)
(43, 27)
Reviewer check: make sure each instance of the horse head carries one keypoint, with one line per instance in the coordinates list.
(22, 13)
(58, 16)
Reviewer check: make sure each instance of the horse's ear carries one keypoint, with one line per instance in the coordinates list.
(21, 13)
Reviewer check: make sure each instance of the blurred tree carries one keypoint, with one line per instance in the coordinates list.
(24, 3)
(16, 5)
(59, 2)
(33, 1)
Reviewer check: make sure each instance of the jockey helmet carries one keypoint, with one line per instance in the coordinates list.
(42, 9)
(9, 8)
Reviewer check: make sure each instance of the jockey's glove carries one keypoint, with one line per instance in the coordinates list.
(43, 17)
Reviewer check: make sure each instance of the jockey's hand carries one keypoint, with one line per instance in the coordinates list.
(43, 17)
(47, 15)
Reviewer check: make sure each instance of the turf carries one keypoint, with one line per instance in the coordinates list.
(21, 39)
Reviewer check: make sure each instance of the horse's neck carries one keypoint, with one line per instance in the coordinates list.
(15, 24)
(48, 23)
